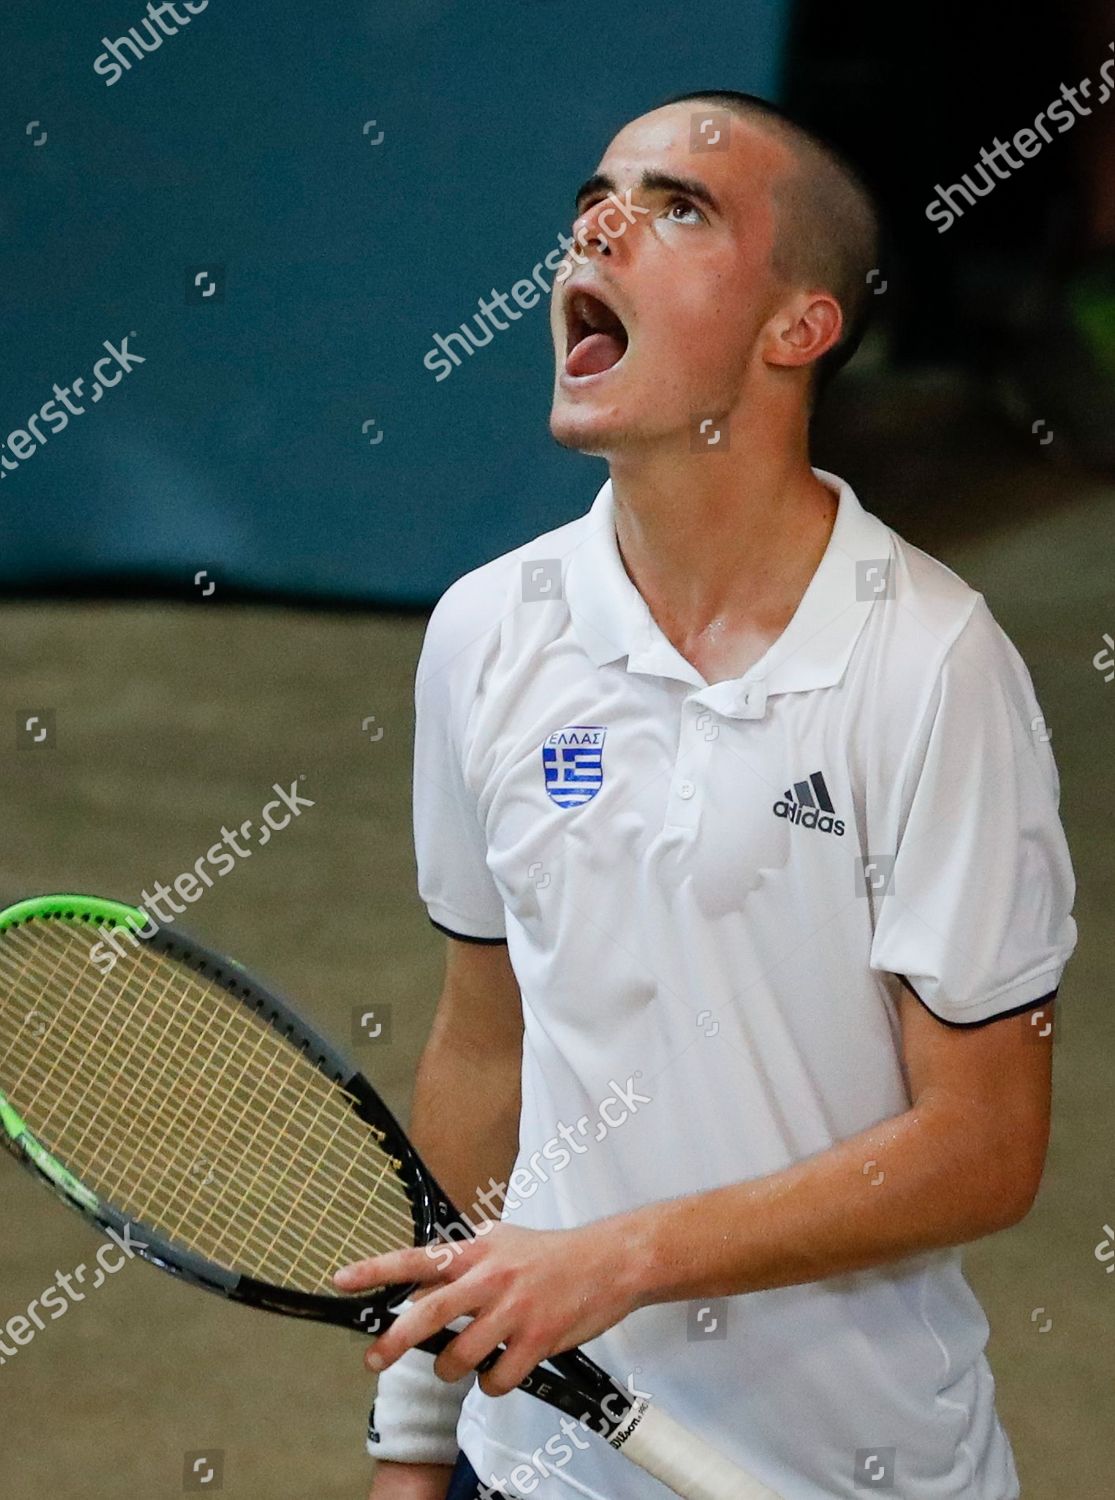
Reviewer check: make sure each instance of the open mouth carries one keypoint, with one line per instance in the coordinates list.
(596, 339)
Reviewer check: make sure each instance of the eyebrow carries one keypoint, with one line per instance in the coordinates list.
(600, 184)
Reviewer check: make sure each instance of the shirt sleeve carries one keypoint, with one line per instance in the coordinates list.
(450, 847)
(977, 917)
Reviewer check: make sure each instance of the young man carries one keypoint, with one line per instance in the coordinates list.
(741, 818)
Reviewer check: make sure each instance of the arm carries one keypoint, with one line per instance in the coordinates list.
(474, 1052)
(963, 1161)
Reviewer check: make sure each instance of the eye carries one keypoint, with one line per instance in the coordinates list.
(689, 212)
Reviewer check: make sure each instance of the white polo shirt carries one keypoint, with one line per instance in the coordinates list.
(708, 894)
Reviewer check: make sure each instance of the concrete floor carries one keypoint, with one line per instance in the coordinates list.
(172, 720)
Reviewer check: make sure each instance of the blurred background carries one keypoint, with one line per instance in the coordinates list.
(262, 244)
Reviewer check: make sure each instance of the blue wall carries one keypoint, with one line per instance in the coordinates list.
(237, 446)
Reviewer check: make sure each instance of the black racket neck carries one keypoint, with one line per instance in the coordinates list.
(576, 1386)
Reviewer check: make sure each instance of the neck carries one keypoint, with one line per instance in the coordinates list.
(717, 543)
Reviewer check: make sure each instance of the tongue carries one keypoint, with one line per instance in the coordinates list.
(600, 351)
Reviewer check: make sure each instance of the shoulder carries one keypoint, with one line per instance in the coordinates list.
(470, 618)
(944, 628)
(935, 655)
(947, 673)
(933, 625)
(934, 605)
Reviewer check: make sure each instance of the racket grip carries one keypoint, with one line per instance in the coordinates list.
(682, 1461)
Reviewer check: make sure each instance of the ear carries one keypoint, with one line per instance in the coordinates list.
(804, 329)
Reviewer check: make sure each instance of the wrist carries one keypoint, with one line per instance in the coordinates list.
(633, 1259)
(414, 1418)
(395, 1480)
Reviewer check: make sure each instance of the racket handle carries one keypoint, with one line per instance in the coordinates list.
(682, 1461)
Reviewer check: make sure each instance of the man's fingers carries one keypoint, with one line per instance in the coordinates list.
(424, 1318)
(512, 1367)
(422, 1291)
(396, 1268)
(470, 1346)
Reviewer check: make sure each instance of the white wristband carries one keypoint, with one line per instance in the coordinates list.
(414, 1418)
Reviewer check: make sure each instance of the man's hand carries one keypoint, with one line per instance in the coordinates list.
(410, 1481)
(539, 1292)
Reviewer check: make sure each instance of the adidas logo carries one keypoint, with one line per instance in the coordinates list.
(808, 804)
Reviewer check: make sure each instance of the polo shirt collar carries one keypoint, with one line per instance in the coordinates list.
(611, 619)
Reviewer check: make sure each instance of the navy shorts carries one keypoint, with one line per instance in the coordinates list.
(464, 1484)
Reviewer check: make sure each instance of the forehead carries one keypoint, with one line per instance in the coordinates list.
(740, 168)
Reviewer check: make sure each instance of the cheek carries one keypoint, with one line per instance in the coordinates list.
(700, 341)
(728, 312)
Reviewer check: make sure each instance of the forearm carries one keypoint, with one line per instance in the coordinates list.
(467, 1148)
(918, 1181)
(415, 1415)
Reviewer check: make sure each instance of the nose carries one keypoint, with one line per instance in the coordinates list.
(589, 232)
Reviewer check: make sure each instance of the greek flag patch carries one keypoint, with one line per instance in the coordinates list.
(573, 763)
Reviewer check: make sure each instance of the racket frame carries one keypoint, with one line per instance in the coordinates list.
(349, 1312)
(581, 1388)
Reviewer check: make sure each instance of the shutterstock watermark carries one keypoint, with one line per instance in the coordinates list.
(192, 884)
(996, 164)
(119, 63)
(60, 1295)
(620, 1106)
(609, 224)
(525, 1477)
(23, 442)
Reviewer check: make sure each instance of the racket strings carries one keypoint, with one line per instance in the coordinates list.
(136, 1124)
(139, 1082)
(316, 1076)
(263, 1031)
(212, 1108)
(218, 1111)
(141, 1206)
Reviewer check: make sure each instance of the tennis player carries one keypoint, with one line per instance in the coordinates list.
(740, 817)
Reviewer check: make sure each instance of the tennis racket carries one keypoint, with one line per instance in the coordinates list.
(157, 1087)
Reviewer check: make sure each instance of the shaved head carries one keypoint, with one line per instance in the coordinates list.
(827, 225)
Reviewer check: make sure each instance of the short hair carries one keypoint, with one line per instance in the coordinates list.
(828, 228)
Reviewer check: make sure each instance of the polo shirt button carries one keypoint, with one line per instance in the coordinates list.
(754, 699)
(686, 790)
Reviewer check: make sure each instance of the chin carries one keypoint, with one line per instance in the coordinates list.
(607, 431)
(596, 433)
